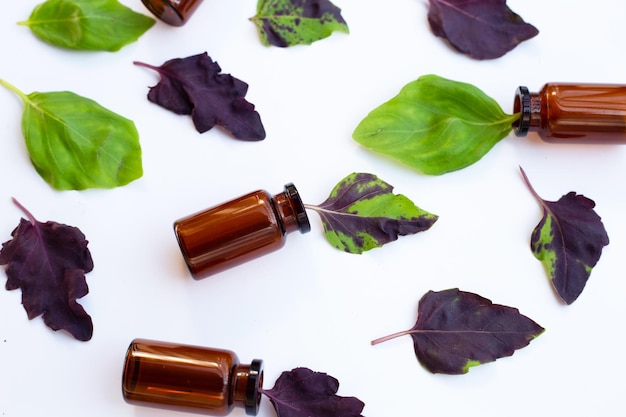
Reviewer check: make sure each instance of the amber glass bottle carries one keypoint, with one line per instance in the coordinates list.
(584, 113)
(239, 230)
(173, 12)
(190, 378)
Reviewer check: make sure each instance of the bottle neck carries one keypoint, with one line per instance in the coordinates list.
(528, 105)
(291, 211)
(246, 384)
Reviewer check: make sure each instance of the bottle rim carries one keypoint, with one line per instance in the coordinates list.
(254, 387)
(301, 217)
(522, 105)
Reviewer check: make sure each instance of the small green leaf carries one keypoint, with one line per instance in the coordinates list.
(435, 125)
(92, 25)
(292, 22)
(75, 144)
(362, 213)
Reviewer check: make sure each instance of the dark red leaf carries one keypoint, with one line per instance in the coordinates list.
(195, 86)
(481, 29)
(456, 330)
(48, 261)
(568, 241)
(302, 392)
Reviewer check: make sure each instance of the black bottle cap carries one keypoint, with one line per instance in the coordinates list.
(522, 105)
(301, 216)
(253, 387)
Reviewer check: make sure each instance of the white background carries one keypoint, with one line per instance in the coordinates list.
(309, 304)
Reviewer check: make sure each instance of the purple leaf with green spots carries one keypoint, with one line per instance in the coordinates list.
(362, 213)
(302, 392)
(286, 23)
(456, 330)
(481, 29)
(568, 241)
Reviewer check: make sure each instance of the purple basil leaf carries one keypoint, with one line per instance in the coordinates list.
(481, 29)
(568, 241)
(48, 261)
(456, 330)
(195, 86)
(362, 213)
(302, 392)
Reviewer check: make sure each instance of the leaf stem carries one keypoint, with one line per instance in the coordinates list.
(28, 214)
(529, 185)
(11, 87)
(391, 336)
(143, 64)
(515, 117)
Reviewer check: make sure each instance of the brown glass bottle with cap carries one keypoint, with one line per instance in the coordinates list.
(574, 113)
(190, 378)
(173, 12)
(239, 230)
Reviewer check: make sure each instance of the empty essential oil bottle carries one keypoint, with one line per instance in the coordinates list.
(239, 230)
(173, 12)
(190, 378)
(574, 113)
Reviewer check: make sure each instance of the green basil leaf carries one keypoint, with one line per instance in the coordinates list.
(286, 23)
(435, 125)
(92, 25)
(75, 144)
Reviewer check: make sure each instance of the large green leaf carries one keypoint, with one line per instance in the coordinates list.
(74, 143)
(292, 22)
(96, 25)
(435, 125)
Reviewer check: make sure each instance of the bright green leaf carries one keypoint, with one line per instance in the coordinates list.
(435, 125)
(289, 22)
(74, 143)
(93, 25)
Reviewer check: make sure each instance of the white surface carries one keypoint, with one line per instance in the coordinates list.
(309, 304)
